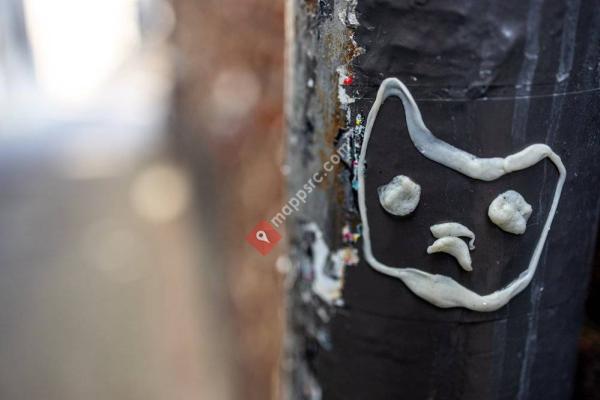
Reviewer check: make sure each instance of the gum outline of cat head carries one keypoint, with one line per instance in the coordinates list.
(442, 290)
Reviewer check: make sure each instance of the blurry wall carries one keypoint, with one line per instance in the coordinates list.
(227, 121)
(109, 289)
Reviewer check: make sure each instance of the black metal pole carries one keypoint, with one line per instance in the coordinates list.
(490, 78)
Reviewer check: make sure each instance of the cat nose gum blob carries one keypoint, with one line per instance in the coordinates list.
(455, 247)
(453, 229)
(400, 196)
(510, 212)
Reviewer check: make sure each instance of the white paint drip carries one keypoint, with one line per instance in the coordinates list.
(442, 290)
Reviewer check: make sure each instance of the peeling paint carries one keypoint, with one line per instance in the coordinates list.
(348, 236)
(347, 14)
(321, 119)
(328, 267)
(343, 96)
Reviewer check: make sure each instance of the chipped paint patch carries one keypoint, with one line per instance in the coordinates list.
(328, 268)
(348, 236)
(343, 97)
(344, 257)
(347, 14)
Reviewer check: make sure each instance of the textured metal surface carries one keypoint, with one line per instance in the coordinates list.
(490, 78)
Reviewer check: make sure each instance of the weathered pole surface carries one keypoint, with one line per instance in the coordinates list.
(490, 78)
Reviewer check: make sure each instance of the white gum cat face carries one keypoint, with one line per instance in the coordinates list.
(441, 290)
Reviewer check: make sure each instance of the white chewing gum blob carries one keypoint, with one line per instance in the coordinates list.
(400, 196)
(453, 229)
(510, 212)
(455, 247)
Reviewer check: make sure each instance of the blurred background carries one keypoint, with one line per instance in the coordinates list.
(140, 141)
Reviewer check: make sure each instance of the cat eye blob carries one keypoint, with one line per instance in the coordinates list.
(400, 196)
(510, 212)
